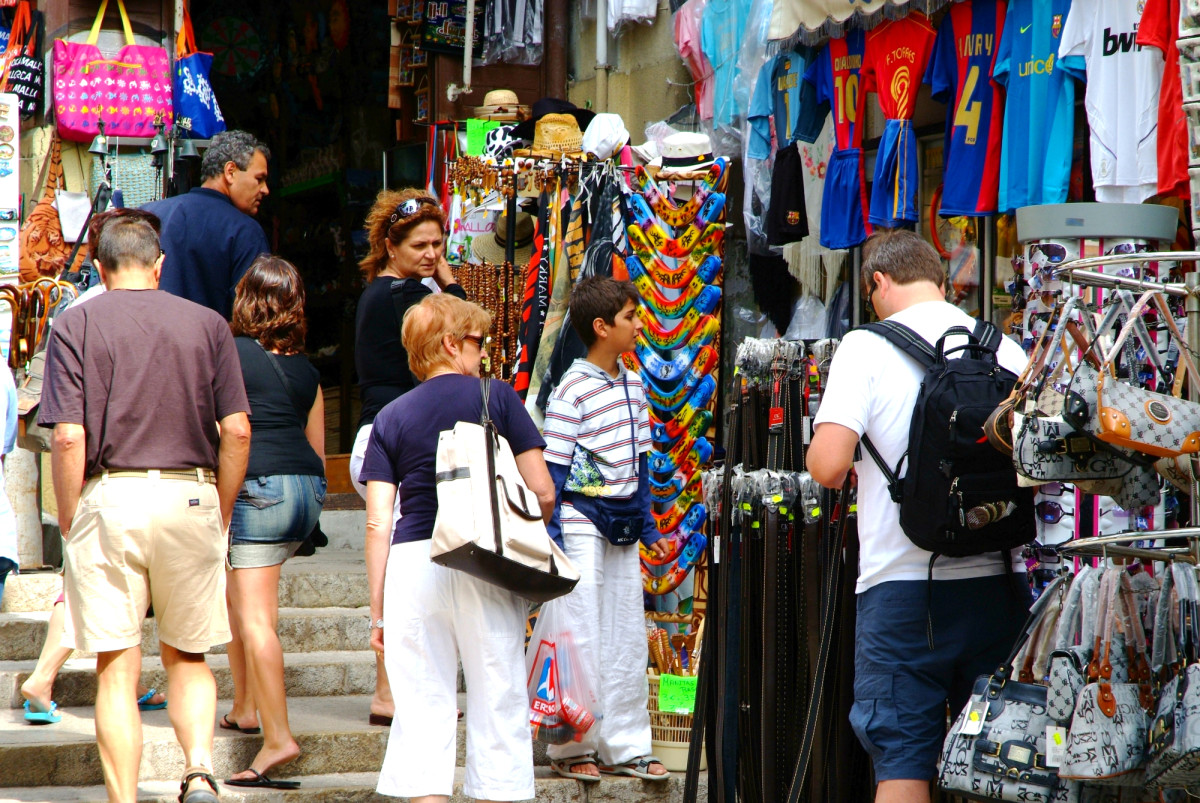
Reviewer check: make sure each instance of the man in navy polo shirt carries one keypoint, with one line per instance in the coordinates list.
(208, 234)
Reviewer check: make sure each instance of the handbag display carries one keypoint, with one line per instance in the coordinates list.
(1107, 741)
(1175, 731)
(127, 92)
(23, 73)
(489, 524)
(196, 107)
(996, 748)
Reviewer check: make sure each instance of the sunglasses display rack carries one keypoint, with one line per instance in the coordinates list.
(776, 684)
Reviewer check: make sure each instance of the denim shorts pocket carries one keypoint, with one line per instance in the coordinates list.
(262, 492)
(319, 484)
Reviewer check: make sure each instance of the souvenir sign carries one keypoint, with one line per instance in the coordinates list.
(444, 27)
(10, 199)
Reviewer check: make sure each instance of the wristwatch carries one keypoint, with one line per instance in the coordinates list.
(377, 624)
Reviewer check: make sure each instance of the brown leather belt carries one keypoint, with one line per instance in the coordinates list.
(193, 474)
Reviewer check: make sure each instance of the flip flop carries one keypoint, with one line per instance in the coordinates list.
(226, 724)
(638, 768)
(144, 703)
(42, 717)
(562, 768)
(261, 781)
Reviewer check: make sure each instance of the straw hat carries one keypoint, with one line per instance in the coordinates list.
(544, 106)
(555, 135)
(685, 154)
(490, 247)
(503, 105)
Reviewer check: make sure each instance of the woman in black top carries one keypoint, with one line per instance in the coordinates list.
(279, 503)
(406, 233)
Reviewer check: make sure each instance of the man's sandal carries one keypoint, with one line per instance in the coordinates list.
(198, 794)
(638, 768)
(562, 768)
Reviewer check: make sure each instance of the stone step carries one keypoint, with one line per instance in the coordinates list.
(300, 630)
(359, 787)
(330, 579)
(306, 674)
(333, 734)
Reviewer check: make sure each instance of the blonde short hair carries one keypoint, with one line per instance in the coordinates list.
(427, 323)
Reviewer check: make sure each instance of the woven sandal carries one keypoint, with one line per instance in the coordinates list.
(562, 768)
(637, 768)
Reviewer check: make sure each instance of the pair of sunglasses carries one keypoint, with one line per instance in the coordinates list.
(408, 208)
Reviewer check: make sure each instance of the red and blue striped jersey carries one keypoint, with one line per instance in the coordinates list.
(960, 74)
(835, 75)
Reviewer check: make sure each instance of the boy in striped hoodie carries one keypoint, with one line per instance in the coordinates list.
(597, 438)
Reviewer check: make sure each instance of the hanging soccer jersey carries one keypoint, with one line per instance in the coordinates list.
(782, 93)
(1039, 111)
(1159, 28)
(960, 75)
(835, 78)
(1121, 98)
(687, 42)
(897, 53)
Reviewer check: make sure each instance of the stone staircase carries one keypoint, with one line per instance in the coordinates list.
(329, 675)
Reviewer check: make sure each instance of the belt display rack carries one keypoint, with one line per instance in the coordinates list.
(772, 707)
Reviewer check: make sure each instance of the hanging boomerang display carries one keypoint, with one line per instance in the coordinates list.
(675, 263)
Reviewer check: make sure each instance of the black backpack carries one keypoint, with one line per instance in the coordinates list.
(959, 495)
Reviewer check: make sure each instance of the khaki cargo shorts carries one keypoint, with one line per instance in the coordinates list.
(141, 540)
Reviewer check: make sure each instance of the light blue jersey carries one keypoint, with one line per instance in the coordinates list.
(781, 92)
(1039, 111)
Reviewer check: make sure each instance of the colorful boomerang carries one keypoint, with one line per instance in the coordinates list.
(677, 485)
(668, 307)
(670, 370)
(679, 276)
(672, 213)
(679, 572)
(692, 522)
(681, 246)
(704, 302)
(664, 429)
(664, 437)
(707, 269)
(670, 520)
(669, 462)
(655, 337)
(669, 401)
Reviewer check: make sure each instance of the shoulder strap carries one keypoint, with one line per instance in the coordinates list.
(891, 475)
(988, 335)
(485, 387)
(904, 339)
(287, 385)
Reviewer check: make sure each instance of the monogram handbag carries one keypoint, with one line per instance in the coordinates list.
(1068, 662)
(1175, 731)
(996, 748)
(1145, 421)
(1107, 741)
(488, 522)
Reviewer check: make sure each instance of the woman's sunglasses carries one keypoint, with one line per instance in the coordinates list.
(407, 209)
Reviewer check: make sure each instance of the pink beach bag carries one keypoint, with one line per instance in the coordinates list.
(126, 92)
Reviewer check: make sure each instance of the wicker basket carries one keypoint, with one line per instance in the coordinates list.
(670, 734)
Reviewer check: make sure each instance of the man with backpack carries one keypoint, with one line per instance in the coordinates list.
(930, 620)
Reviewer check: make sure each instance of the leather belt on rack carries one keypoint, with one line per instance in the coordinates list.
(193, 474)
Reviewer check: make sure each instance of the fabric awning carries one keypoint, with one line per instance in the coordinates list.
(813, 20)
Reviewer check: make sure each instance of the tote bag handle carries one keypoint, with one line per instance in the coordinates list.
(95, 33)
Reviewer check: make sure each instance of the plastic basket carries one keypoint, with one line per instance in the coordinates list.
(670, 734)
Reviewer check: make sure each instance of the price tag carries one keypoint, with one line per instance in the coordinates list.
(1056, 745)
(775, 417)
(676, 695)
(976, 714)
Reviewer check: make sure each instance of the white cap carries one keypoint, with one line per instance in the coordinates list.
(605, 135)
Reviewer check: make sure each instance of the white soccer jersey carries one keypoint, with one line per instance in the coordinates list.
(1123, 81)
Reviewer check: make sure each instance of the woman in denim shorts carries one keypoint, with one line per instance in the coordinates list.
(278, 506)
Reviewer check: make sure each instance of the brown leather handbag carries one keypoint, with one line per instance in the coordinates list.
(44, 252)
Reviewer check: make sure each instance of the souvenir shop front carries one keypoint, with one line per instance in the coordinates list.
(344, 95)
(1043, 148)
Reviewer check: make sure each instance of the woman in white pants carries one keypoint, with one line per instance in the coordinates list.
(429, 617)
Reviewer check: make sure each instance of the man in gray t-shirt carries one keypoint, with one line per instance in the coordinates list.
(151, 436)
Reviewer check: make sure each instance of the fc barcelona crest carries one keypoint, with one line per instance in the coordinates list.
(1056, 25)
